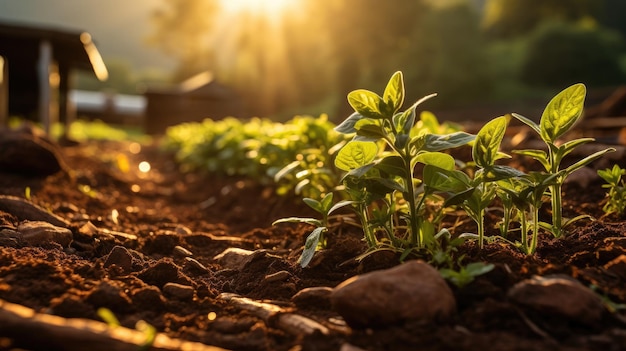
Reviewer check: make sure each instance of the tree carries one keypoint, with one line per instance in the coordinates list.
(510, 18)
(182, 29)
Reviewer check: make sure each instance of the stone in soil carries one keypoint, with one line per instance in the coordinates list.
(410, 291)
(37, 233)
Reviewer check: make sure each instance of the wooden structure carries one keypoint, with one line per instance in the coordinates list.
(195, 99)
(36, 64)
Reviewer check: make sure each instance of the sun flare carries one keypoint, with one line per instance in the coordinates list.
(268, 8)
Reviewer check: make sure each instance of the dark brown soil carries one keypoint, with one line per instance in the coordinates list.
(208, 214)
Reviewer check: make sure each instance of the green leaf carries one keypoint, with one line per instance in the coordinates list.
(369, 129)
(528, 122)
(312, 221)
(403, 122)
(439, 159)
(585, 161)
(347, 126)
(569, 146)
(538, 155)
(356, 154)
(562, 112)
(326, 203)
(429, 122)
(394, 92)
(310, 246)
(393, 165)
(314, 204)
(366, 103)
(448, 141)
(487, 143)
(500, 172)
(341, 204)
(445, 180)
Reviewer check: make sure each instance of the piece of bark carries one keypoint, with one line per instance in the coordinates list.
(37, 331)
(25, 210)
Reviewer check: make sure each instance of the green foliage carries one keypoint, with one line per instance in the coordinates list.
(616, 185)
(466, 274)
(381, 161)
(316, 239)
(296, 154)
(560, 54)
(559, 116)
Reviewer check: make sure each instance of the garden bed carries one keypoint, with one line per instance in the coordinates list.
(149, 219)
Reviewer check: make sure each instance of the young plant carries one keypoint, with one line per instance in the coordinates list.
(316, 239)
(616, 194)
(382, 157)
(466, 274)
(559, 116)
(475, 195)
(526, 194)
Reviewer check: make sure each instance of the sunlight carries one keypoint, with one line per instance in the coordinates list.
(272, 9)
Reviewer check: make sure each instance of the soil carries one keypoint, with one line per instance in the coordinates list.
(153, 213)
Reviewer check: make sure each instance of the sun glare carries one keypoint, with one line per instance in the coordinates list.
(268, 8)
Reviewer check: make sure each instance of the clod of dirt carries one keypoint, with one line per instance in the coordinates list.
(560, 295)
(27, 153)
(318, 296)
(39, 233)
(120, 257)
(410, 291)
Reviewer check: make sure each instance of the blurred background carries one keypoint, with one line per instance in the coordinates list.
(280, 58)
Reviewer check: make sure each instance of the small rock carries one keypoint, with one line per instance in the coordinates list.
(179, 291)
(276, 277)
(88, 229)
(236, 258)
(181, 251)
(560, 295)
(195, 265)
(413, 290)
(182, 230)
(37, 233)
(318, 296)
(109, 295)
(121, 257)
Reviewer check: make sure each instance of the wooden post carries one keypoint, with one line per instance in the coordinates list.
(45, 94)
(4, 91)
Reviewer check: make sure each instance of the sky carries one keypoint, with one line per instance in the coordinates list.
(119, 27)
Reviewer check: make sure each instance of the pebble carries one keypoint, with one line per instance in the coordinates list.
(318, 296)
(179, 291)
(561, 295)
(277, 277)
(121, 257)
(37, 233)
(182, 230)
(181, 251)
(193, 263)
(237, 258)
(410, 291)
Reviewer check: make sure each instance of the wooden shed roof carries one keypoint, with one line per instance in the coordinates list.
(74, 49)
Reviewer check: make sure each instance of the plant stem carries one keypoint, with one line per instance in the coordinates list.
(524, 234)
(414, 238)
(369, 236)
(557, 214)
(480, 222)
(534, 239)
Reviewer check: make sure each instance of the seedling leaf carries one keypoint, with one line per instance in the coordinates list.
(312, 221)
(527, 122)
(310, 246)
(394, 92)
(438, 159)
(347, 126)
(366, 103)
(356, 154)
(487, 143)
(562, 112)
(442, 142)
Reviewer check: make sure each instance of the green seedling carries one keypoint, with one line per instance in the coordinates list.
(142, 326)
(381, 159)
(526, 193)
(559, 116)
(475, 195)
(317, 238)
(466, 274)
(616, 194)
